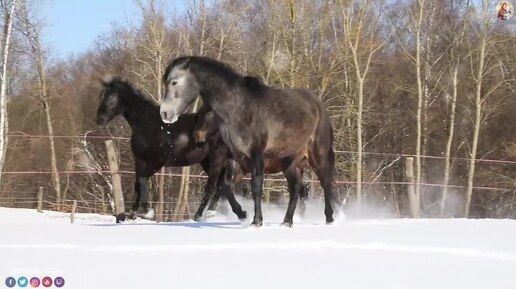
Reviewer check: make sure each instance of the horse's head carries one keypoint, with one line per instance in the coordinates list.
(181, 90)
(110, 105)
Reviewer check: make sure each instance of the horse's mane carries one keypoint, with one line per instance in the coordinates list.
(252, 83)
(122, 83)
(205, 64)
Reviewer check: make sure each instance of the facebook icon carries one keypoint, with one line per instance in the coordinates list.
(10, 282)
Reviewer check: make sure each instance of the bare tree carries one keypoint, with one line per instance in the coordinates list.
(417, 59)
(6, 40)
(31, 29)
(480, 69)
(455, 58)
(415, 55)
(362, 47)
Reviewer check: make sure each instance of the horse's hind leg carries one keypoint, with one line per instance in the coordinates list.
(303, 197)
(295, 184)
(324, 166)
(304, 188)
(225, 189)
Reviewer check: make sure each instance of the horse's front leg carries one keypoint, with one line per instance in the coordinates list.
(256, 165)
(148, 212)
(218, 193)
(209, 191)
(141, 197)
(136, 200)
(141, 191)
(215, 167)
(225, 189)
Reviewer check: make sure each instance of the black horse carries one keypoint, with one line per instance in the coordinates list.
(258, 122)
(155, 144)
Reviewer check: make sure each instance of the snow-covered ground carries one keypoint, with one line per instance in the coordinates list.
(221, 253)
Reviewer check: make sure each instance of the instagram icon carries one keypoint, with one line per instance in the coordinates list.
(34, 282)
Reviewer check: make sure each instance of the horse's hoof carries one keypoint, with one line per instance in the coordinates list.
(133, 215)
(120, 218)
(197, 218)
(243, 216)
(302, 209)
(149, 215)
(329, 221)
(257, 223)
(287, 224)
(210, 213)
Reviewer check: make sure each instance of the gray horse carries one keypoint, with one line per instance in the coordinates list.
(258, 122)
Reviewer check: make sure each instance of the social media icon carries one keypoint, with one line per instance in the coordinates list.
(34, 282)
(23, 282)
(46, 282)
(10, 282)
(59, 282)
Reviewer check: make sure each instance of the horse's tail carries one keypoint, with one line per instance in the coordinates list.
(331, 152)
(332, 136)
(328, 143)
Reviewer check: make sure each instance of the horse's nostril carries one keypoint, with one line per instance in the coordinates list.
(164, 115)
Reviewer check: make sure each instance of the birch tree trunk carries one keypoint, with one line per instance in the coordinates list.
(354, 34)
(478, 107)
(451, 128)
(31, 30)
(426, 93)
(292, 43)
(421, 4)
(4, 123)
(449, 141)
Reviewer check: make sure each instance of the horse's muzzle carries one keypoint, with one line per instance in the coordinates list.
(168, 117)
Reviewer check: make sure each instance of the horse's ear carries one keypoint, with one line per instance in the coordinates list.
(253, 82)
(101, 80)
(106, 80)
(186, 64)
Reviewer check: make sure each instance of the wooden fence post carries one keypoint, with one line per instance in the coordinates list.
(116, 181)
(161, 196)
(40, 200)
(72, 214)
(103, 205)
(409, 175)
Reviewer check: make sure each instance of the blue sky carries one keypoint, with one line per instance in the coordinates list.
(73, 25)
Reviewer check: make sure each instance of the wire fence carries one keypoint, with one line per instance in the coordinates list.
(27, 199)
(387, 154)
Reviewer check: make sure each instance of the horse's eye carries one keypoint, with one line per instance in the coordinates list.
(174, 83)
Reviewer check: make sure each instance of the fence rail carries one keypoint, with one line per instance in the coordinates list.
(273, 179)
(387, 154)
(96, 205)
